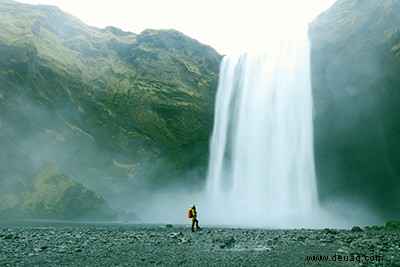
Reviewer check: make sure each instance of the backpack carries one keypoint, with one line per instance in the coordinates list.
(190, 214)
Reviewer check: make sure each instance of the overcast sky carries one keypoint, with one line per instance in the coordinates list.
(226, 25)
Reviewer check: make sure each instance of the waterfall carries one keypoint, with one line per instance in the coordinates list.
(261, 165)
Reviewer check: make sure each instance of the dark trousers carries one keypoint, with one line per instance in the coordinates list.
(195, 221)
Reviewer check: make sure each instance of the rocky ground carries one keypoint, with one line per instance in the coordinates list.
(134, 245)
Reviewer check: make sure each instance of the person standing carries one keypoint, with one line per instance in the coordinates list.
(192, 214)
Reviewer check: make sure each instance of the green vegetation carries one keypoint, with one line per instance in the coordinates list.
(123, 112)
(53, 195)
(394, 225)
(117, 110)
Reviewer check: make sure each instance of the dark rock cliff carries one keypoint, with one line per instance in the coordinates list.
(356, 87)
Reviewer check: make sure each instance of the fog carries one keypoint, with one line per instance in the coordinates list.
(35, 136)
(45, 139)
(355, 99)
(352, 154)
(170, 207)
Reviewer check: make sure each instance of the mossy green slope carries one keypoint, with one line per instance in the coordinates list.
(116, 109)
(53, 195)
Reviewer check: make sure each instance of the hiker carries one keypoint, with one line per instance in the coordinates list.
(192, 214)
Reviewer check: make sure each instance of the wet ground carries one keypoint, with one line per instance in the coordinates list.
(169, 245)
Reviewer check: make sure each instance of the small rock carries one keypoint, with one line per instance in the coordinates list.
(184, 241)
(393, 225)
(356, 229)
(331, 231)
(376, 227)
(227, 242)
(342, 251)
(301, 238)
(176, 235)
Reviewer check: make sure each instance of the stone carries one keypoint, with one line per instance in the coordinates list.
(393, 225)
(356, 229)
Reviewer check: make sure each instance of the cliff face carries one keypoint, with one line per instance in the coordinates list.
(116, 110)
(356, 82)
(122, 112)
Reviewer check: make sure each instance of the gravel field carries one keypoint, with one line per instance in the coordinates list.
(133, 245)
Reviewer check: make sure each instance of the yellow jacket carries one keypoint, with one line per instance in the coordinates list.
(194, 213)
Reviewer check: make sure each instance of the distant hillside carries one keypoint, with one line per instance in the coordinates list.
(117, 110)
(356, 87)
(53, 195)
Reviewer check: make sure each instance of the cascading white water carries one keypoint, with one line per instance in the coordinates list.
(261, 166)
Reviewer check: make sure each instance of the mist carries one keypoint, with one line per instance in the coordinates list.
(52, 141)
(146, 187)
(355, 105)
(47, 119)
(170, 207)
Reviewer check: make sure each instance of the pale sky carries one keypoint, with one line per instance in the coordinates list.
(229, 26)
